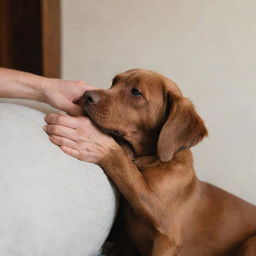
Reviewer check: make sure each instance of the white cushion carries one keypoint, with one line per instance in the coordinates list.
(50, 203)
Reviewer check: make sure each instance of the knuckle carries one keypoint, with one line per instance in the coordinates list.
(54, 139)
(62, 141)
(47, 118)
(55, 129)
(49, 128)
(52, 116)
(58, 140)
(58, 119)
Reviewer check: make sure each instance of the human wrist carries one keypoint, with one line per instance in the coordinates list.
(44, 88)
(30, 86)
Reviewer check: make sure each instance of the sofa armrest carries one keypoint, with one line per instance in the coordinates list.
(50, 203)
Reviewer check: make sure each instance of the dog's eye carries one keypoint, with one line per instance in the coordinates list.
(135, 92)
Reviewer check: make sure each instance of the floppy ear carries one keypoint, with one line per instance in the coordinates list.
(183, 129)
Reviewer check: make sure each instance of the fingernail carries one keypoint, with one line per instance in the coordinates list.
(45, 127)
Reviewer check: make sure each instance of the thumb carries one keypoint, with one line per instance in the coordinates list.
(72, 109)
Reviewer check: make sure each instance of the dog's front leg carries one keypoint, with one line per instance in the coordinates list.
(248, 248)
(133, 186)
(164, 246)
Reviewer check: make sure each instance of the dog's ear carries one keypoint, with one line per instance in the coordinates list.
(183, 128)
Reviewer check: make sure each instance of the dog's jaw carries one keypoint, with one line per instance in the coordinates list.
(100, 127)
(117, 135)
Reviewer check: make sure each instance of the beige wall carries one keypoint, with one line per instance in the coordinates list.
(207, 47)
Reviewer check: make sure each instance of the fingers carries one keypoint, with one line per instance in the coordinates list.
(61, 141)
(78, 137)
(87, 87)
(70, 107)
(62, 131)
(73, 109)
(57, 119)
(70, 151)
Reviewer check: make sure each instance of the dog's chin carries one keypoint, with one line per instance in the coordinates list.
(117, 135)
(104, 129)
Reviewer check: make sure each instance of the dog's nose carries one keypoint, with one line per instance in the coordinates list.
(91, 97)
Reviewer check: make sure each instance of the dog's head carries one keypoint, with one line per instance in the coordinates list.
(148, 111)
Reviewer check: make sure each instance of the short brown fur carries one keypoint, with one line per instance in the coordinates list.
(167, 211)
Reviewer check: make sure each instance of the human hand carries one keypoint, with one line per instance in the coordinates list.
(58, 93)
(78, 137)
(65, 95)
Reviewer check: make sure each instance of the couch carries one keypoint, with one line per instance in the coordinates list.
(50, 203)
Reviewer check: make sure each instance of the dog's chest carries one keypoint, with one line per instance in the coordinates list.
(139, 230)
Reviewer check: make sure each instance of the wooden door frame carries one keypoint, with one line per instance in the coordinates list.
(51, 38)
(30, 36)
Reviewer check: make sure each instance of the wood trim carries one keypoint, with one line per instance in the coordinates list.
(4, 36)
(20, 35)
(51, 38)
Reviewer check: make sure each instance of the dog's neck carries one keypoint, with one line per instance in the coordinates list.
(140, 145)
(127, 148)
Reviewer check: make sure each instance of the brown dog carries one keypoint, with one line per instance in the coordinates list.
(167, 210)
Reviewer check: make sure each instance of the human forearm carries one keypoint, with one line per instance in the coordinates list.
(18, 84)
(61, 94)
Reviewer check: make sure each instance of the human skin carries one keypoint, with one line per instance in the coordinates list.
(61, 94)
(78, 137)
